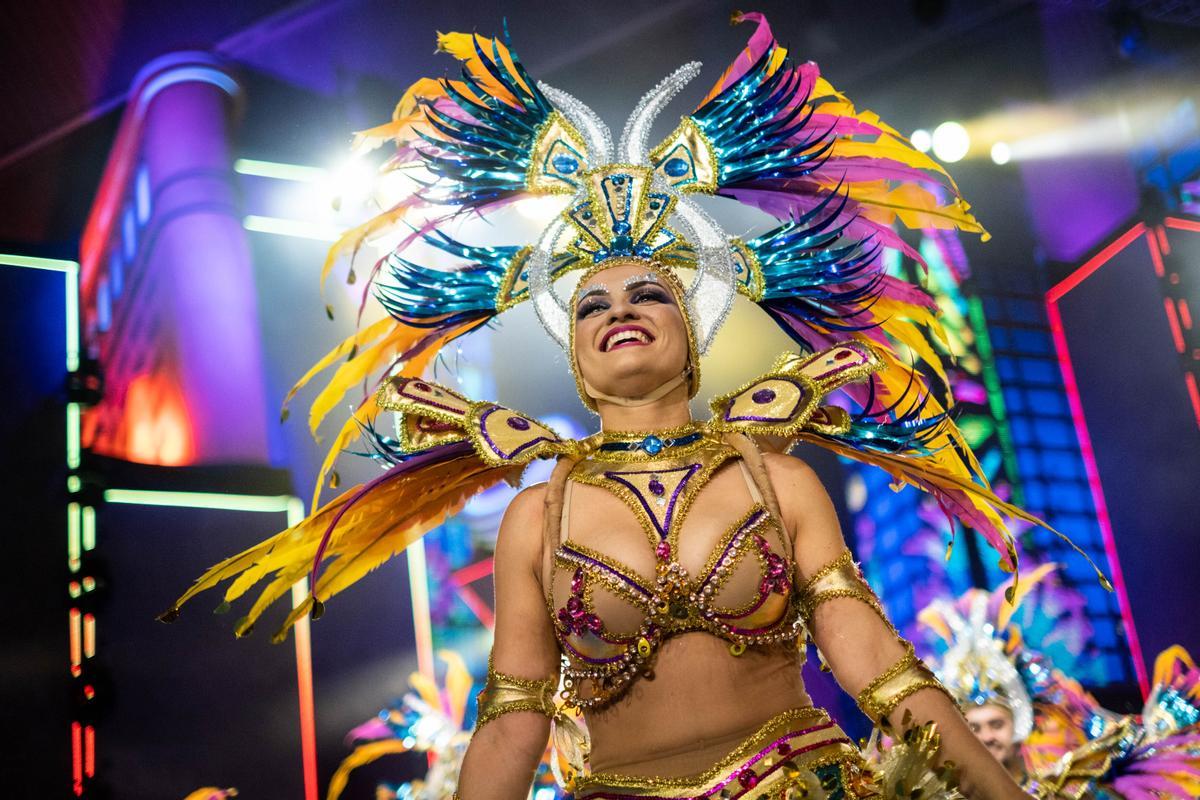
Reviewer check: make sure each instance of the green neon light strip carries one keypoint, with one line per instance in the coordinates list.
(70, 270)
(74, 448)
(224, 502)
(991, 382)
(296, 228)
(278, 171)
(88, 534)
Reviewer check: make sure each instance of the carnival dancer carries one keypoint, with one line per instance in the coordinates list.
(670, 572)
(1051, 735)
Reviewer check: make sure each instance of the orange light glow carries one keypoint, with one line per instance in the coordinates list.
(156, 422)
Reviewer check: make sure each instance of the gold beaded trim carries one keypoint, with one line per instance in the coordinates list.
(505, 694)
(905, 677)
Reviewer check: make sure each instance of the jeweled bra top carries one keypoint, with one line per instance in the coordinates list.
(611, 619)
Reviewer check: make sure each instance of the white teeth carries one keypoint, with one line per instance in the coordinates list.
(626, 336)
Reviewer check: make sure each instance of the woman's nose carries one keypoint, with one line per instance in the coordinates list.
(621, 309)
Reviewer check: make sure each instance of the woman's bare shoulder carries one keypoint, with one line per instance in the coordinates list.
(791, 475)
(521, 528)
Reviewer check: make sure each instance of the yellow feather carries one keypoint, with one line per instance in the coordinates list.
(363, 754)
(458, 685)
(427, 688)
(1008, 608)
(358, 340)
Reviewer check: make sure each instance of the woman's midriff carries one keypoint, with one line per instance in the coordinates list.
(701, 703)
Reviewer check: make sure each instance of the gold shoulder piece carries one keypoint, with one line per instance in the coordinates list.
(431, 415)
(786, 401)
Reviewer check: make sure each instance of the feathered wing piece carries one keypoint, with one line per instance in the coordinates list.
(1154, 757)
(451, 450)
(775, 135)
(487, 139)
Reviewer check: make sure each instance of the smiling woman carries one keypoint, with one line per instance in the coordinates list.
(665, 581)
(631, 344)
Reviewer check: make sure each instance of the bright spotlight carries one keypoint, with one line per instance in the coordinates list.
(950, 142)
(349, 184)
(921, 140)
(1001, 153)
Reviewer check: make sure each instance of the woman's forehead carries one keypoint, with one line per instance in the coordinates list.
(616, 278)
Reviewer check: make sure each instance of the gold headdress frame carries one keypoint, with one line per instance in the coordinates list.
(673, 284)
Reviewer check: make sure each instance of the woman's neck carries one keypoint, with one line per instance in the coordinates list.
(670, 411)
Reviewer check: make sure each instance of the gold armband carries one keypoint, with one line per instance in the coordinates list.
(504, 694)
(839, 578)
(906, 676)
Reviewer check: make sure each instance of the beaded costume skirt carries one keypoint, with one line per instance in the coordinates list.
(796, 750)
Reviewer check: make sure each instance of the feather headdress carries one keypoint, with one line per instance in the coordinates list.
(771, 133)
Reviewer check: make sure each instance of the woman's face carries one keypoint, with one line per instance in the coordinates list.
(630, 334)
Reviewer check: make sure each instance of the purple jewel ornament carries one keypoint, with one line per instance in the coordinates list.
(763, 396)
(518, 423)
(663, 550)
(656, 487)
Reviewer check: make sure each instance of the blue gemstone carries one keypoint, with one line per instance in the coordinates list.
(621, 227)
(618, 180)
(643, 250)
(565, 164)
(655, 205)
(622, 244)
(676, 167)
(652, 445)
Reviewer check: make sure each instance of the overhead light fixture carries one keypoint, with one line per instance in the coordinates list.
(921, 139)
(950, 142)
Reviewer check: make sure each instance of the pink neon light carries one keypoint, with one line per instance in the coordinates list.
(1156, 254)
(1173, 321)
(1058, 334)
(308, 724)
(77, 758)
(1194, 394)
(473, 572)
(1094, 263)
(1182, 224)
(89, 751)
(1162, 240)
(480, 609)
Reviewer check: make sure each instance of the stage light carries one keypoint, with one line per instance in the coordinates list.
(1001, 153)
(921, 140)
(950, 142)
(291, 227)
(349, 185)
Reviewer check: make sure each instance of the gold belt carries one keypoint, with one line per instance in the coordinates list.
(770, 760)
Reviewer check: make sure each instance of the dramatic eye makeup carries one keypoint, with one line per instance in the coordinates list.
(641, 289)
(594, 298)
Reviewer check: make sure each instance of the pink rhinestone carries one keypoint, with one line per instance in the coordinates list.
(748, 779)
(663, 550)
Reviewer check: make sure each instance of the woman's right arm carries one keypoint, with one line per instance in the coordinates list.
(506, 749)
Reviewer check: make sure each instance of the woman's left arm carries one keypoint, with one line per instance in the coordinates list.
(867, 656)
